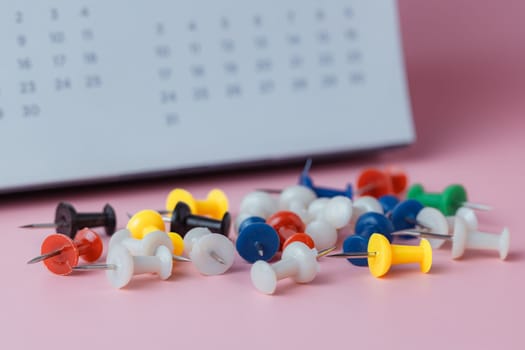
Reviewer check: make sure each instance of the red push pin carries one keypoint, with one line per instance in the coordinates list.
(286, 223)
(60, 253)
(376, 183)
(300, 237)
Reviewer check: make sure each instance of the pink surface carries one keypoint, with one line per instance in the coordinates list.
(466, 74)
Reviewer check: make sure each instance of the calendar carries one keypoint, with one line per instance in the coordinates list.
(104, 90)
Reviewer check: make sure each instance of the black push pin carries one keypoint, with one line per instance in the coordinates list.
(182, 220)
(68, 221)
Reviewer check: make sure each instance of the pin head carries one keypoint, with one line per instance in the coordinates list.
(220, 201)
(62, 263)
(404, 214)
(356, 244)
(398, 178)
(143, 220)
(460, 235)
(436, 222)
(380, 182)
(111, 219)
(65, 219)
(380, 263)
(120, 257)
(255, 236)
(371, 222)
(300, 237)
(180, 195)
(200, 244)
(286, 223)
(388, 202)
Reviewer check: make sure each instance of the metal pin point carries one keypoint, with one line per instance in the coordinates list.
(477, 206)
(46, 256)
(180, 258)
(260, 249)
(217, 257)
(325, 251)
(417, 223)
(423, 234)
(353, 255)
(95, 267)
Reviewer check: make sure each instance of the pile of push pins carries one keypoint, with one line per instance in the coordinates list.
(295, 227)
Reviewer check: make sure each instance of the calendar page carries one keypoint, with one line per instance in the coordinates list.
(95, 90)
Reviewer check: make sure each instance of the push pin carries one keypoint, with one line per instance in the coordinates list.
(465, 238)
(365, 204)
(297, 199)
(120, 265)
(388, 203)
(448, 202)
(182, 221)
(259, 203)
(382, 255)
(376, 183)
(286, 223)
(337, 210)
(366, 225)
(329, 215)
(298, 262)
(215, 205)
(404, 215)
(322, 192)
(257, 240)
(211, 253)
(68, 221)
(61, 253)
(145, 246)
(148, 221)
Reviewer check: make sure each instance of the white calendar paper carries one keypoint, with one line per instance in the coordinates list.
(94, 90)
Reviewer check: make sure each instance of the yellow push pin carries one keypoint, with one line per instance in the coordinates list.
(147, 221)
(215, 205)
(382, 255)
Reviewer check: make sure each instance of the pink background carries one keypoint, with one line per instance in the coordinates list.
(467, 81)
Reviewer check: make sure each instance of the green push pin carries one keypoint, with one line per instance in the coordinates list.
(448, 202)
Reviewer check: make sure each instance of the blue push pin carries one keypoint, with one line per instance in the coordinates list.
(322, 192)
(257, 240)
(388, 202)
(366, 225)
(404, 215)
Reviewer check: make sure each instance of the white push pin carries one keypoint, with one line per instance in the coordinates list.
(466, 238)
(322, 233)
(468, 215)
(297, 198)
(330, 215)
(337, 210)
(211, 253)
(365, 204)
(298, 262)
(259, 203)
(121, 265)
(433, 221)
(145, 246)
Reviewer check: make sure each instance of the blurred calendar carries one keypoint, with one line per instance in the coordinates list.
(101, 90)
